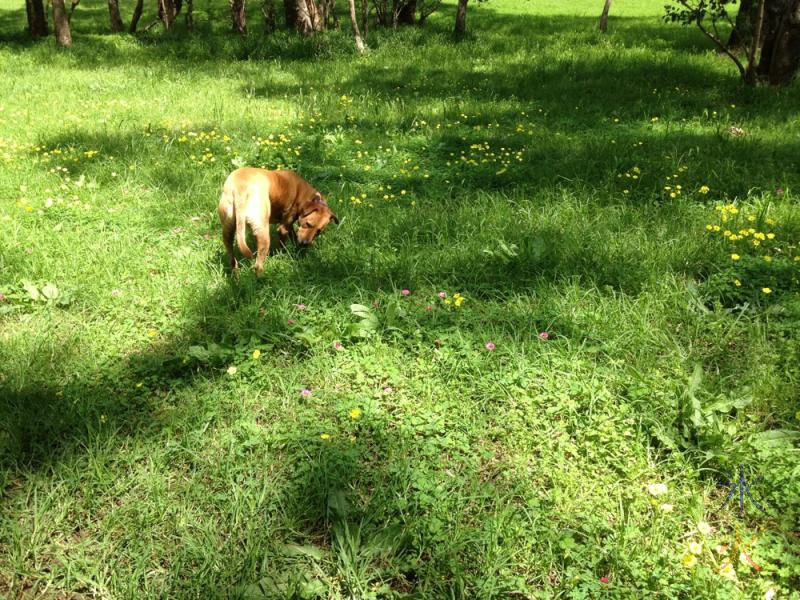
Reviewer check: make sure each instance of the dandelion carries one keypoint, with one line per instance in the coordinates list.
(735, 257)
(355, 413)
(458, 300)
(256, 354)
(737, 283)
(490, 346)
(728, 571)
(657, 489)
(766, 290)
(324, 436)
(704, 189)
(666, 508)
(305, 392)
(152, 333)
(689, 560)
(405, 291)
(704, 528)
(232, 370)
(695, 547)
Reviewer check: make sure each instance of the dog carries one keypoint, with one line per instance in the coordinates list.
(258, 197)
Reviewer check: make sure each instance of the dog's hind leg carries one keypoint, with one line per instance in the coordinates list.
(228, 233)
(262, 238)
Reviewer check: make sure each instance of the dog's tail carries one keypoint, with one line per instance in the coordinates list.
(240, 231)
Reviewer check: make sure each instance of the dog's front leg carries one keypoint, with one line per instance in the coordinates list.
(285, 230)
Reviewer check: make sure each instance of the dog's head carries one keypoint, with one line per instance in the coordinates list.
(314, 219)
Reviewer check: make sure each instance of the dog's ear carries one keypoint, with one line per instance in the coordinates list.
(317, 197)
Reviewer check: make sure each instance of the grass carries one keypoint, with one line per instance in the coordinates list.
(145, 452)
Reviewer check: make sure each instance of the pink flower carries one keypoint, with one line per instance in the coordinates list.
(429, 307)
(544, 336)
(305, 393)
(442, 295)
(300, 306)
(290, 321)
(604, 579)
(490, 346)
(338, 345)
(779, 191)
(405, 291)
(387, 390)
(2, 297)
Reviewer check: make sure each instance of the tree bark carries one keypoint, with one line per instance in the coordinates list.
(116, 18)
(784, 59)
(742, 32)
(604, 16)
(290, 13)
(167, 12)
(461, 19)
(37, 18)
(270, 17)
(190, 15)
(407, 13)
(61, 23)
(137, 14)
(238, 16)
(365, 18)
(354, 22)
(308, 17)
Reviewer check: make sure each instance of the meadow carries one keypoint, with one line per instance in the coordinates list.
(559, 313)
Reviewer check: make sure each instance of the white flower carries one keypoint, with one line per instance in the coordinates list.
(770, 594)
(704, 528)
(666, 507)
(695, 547)
(657, 489)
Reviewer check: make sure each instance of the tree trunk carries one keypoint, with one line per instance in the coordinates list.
(190, 15)
(604, 16)
(742, 32)
(407, 13)
(37, 18)
(461, 19)
(167, 12)
(354, 22)
(61, 23)
(116, 18)
(365, 18)
(270, 17)
(784, 45)
(238, 16)
(290, 13)
(308, 17)
(137, 14)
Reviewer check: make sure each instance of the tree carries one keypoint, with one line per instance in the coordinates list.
(116, 18)
(309, 18)
(426, 8)
(406, 11)
(61, 23)
(270, 18)
(742, 31)
(354, 22)
(238, 16)
(461, 19)
(37, 18)
(604, 16)
(771, 53)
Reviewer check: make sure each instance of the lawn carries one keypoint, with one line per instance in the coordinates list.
(524, 365)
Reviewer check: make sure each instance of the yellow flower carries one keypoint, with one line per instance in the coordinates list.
(737, 283)
(709, 227)
(735, 257)
(689, 560)
(704, 189)
(355, 413)
(325, 436)
(728, 571)
(766, 290)
(771, 236)
(695, 547)
(152, 333)
(256, 354)
(767, 259)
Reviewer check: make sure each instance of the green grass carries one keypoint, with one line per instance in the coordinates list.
(134, 461)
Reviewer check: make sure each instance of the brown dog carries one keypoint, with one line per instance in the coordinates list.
(259, 197)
